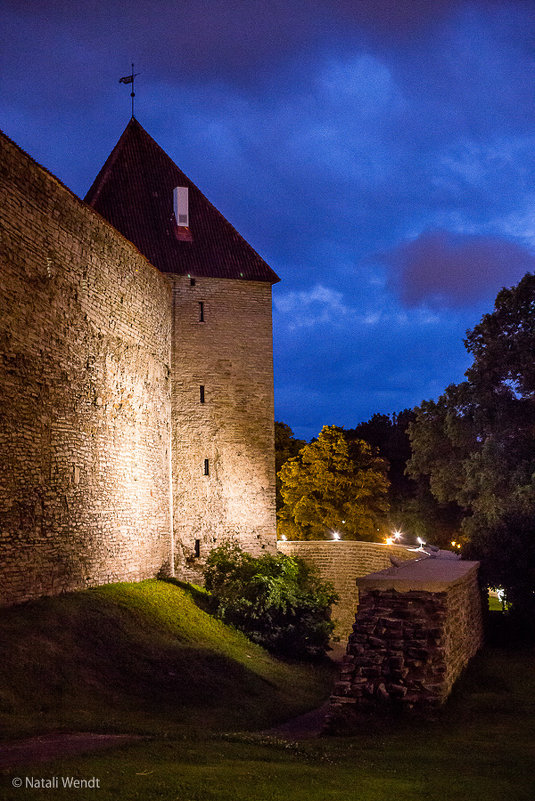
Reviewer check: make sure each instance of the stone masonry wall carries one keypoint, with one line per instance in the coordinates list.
(342, 562)
(463, 629)
(84, 410)
(411, 640)
(227, 349)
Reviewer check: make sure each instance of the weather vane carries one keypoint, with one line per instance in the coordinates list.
(130, 79)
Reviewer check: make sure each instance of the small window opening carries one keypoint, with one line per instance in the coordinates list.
(192, 281)
(197, 548)
(201, 393)
(206, 467)
(201, 311)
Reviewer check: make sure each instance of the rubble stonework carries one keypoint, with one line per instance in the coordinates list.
(85, 331)
(342, 562)
(416, 628)
(104, 436)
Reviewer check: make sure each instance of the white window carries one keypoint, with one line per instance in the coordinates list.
(181, 206)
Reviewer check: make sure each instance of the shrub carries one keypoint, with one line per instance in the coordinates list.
(278, 601)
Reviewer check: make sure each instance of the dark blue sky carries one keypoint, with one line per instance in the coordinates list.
(380, 155)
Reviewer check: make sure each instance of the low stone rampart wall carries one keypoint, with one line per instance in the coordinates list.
(417, 627)
(342, 562)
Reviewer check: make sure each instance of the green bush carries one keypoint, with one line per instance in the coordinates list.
(278, 601)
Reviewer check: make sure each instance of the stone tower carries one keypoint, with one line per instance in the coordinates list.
(222, 454)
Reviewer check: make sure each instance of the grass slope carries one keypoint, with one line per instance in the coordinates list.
(479, 748)
(140, 658)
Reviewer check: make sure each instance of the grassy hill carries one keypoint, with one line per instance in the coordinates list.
(145, 658)
(140, 658)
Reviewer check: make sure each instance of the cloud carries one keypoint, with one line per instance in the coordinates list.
(440, 268)
(201, 38)
(316, 306)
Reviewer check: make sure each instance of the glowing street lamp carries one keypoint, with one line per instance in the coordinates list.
(336, 535)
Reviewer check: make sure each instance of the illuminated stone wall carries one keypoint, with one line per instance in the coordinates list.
(416, 629)
(342, 563)
(228, 425)
(85, 403)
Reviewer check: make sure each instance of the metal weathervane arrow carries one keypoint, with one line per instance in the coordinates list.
(130, 79)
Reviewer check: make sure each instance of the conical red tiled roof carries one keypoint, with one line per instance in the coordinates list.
(134, 192)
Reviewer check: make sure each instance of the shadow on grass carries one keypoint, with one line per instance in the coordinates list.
(508, 630)
(200, 597)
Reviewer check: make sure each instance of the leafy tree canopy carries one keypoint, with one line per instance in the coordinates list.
(333, 485)
(413, 508)
(286, 446)
(388, 437)
(503, 344)
(476, 443)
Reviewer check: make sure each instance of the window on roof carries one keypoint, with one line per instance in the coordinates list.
(181, 206)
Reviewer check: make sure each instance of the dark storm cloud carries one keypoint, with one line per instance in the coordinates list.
(240, 41)
(440, 268)
(228, 37)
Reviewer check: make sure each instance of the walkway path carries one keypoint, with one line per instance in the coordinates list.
(311, 723)
(61, 744)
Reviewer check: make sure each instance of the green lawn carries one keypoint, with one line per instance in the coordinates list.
(480, 747)
(495, 605)
(140, 658)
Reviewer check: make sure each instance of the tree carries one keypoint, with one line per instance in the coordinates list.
(503, 344)
(413, 508)
(286, 446)
(507, 553)
(333, 485)
(476, 443)
(387, 434)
